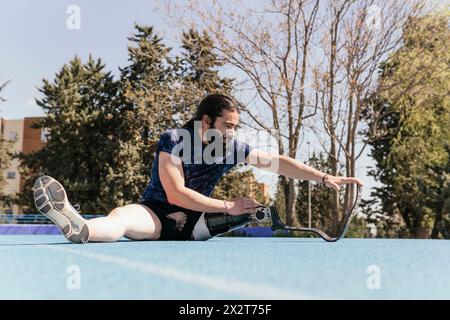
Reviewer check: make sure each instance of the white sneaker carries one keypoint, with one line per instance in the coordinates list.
(51, 200)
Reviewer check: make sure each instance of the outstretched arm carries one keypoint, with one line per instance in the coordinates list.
(294, 169)
(172, 179)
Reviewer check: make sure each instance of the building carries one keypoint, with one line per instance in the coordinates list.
(24, 139)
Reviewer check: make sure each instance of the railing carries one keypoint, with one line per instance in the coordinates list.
(33, 218)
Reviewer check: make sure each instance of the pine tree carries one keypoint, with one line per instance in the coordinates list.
(103, 133)
(197, 73)
(144, 110)
(78, 106)
(158, 93)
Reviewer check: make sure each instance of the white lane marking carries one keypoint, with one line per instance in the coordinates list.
(226, 285)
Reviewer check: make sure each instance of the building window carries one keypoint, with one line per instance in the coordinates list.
(12, 136)
(45, 133)
(11, 175)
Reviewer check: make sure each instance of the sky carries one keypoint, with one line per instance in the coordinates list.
(37, 40)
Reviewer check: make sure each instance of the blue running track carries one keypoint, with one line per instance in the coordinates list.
(48, 267)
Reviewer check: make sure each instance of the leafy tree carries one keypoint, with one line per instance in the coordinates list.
(238, 184)
(412, 153)
(321, 210)
(5, 161)
(320, 197)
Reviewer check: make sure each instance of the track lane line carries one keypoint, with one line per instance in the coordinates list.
(246, 290)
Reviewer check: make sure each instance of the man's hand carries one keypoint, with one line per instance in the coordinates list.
(336, 182)
(242, 206)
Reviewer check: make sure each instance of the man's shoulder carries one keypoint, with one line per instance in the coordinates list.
(174, 134)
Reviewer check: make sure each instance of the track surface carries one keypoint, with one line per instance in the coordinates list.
(48, 267)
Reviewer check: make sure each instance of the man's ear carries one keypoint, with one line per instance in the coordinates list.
(206, 122)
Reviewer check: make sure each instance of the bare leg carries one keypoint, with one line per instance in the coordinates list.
(133, 221)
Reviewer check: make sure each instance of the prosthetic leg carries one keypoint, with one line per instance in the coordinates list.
(272, 214)
(213, 224)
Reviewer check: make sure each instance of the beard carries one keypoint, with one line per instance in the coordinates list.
(225, 143)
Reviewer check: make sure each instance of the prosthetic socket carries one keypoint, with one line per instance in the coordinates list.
(213, 224)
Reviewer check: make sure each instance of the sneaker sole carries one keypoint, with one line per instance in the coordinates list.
(51, 200)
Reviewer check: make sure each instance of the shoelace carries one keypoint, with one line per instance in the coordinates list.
(77, 207)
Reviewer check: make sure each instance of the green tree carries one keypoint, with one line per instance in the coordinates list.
(412, 153)
(143, 110)
(321, 210)
(78, 106)
(104, 132)
(159, 92)
(236, 184)
(197, 72)
(279, 199)
(441, 198)
(320, 197)
(5, 161)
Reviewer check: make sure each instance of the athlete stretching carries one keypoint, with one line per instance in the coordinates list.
(177, 205)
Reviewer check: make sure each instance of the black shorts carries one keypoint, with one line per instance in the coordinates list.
(174, 226)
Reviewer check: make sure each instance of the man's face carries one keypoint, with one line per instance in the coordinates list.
(226, 125)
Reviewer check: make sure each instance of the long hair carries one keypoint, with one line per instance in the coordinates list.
(212, 106)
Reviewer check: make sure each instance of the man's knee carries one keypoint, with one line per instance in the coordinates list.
(119, 214)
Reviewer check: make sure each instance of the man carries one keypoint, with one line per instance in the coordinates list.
(176, 205)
